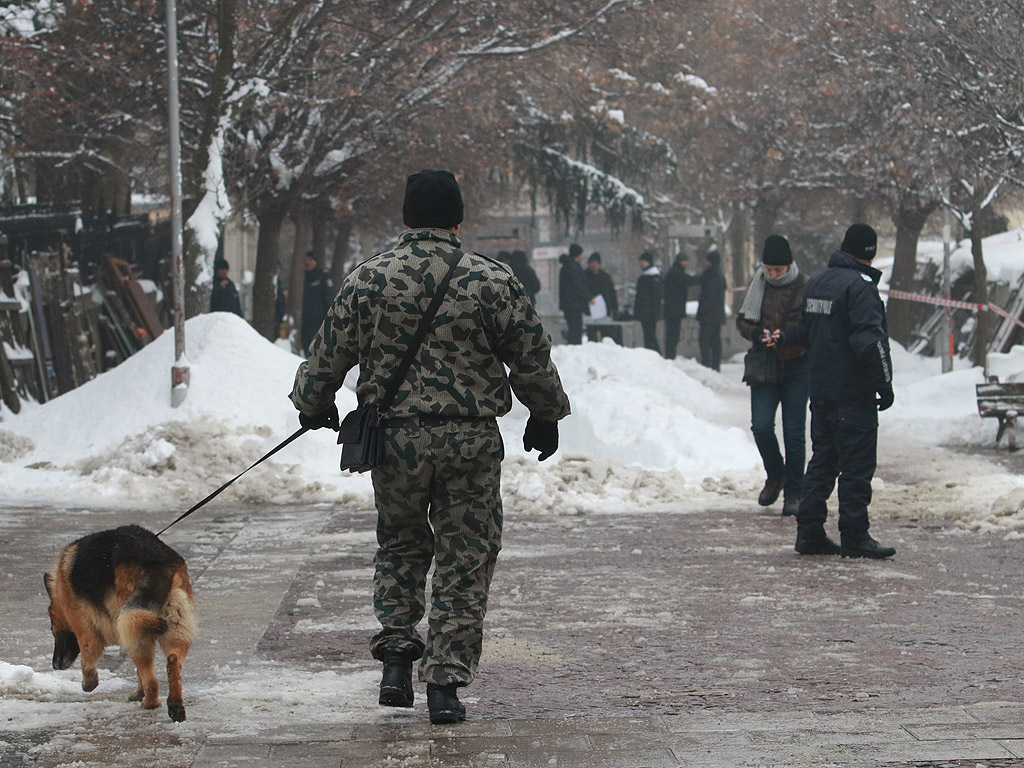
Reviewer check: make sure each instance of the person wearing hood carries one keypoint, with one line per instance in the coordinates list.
(224, 296)
(711, 312)
(572, 293)
(647, 305)
(849, 381)
(770, 320)
(527, 275)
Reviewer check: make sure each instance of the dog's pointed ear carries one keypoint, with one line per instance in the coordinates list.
(49, 581)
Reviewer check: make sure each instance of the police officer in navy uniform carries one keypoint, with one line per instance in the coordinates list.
(850, 380)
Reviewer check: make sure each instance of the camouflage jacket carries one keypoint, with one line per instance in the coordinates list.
(485, 324)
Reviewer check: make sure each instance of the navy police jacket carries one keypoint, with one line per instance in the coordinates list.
(847, 334)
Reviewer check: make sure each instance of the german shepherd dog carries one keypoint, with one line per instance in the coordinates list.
(123, 587)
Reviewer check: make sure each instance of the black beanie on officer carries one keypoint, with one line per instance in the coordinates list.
(432, 199)
(861, 242)
(776, 252)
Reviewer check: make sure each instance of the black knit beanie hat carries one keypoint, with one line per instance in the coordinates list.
(776, 252)
(432, 199)
(861, 242)
(647, 256)
(575, 250)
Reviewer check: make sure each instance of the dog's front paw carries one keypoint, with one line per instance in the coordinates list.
(90, 680)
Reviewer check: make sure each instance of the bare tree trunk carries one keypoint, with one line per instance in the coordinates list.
(739, 252)
(198, 281)
(297, 278)
(342, 249)
(264, 293)
(910, 220)
(320, 224)
(766, 211)
(983, 332)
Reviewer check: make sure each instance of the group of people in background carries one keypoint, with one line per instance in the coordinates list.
(317, 295)
(658, 298)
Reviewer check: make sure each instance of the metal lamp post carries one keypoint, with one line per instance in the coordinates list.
(180, 369)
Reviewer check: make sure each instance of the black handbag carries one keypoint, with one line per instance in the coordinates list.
(759, 366)
(361, 434)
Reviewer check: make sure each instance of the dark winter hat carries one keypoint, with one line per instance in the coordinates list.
(776, 252)
(647, 256)
(432, 199)
(312, 255)
(595, 256)
(861, 242)
(682, 258)
(220, 264)
(575, 250)
(715, 257)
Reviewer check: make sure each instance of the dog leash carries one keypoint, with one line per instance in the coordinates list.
(287, 440)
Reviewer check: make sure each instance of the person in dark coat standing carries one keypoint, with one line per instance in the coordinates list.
(850, 380)
(599, 283)
(770, 320)
(317, 296)
(647, 305)
(224, 296)
(677, 293)
(527, 276)
(711, 312)
(572, 293)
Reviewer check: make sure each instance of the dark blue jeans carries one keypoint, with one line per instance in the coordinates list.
(791, 392)
(844, 440)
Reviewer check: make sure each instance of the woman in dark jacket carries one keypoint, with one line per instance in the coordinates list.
(770, 320)
(647, 305)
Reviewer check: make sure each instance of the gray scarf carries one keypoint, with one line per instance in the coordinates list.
(751, 309)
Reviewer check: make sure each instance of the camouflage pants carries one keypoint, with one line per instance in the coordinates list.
(438, 498)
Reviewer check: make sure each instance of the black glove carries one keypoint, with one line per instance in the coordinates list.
(542, 435)
(885, 398)
(328, 417)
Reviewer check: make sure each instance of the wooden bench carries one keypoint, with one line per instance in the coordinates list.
(1004, 402)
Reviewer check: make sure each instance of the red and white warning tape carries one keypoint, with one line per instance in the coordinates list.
(937, 300)
(941, 302)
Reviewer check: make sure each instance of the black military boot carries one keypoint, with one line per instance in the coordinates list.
(444, 705)
(867, 547)
(816, 545)
(396, 682)
(770, 493)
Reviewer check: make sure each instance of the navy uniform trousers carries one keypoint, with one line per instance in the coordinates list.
(844, 441)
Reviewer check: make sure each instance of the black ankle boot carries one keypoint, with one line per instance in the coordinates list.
(444, 705)
(396, 682)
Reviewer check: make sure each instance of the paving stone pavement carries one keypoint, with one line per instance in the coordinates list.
(689, 638)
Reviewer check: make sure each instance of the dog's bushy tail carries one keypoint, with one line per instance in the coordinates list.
(137, 628)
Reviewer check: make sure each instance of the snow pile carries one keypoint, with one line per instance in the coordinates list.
(1003, 255)
(645, 434)
(644, 431)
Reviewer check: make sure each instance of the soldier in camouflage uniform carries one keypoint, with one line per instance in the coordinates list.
(438, 490)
